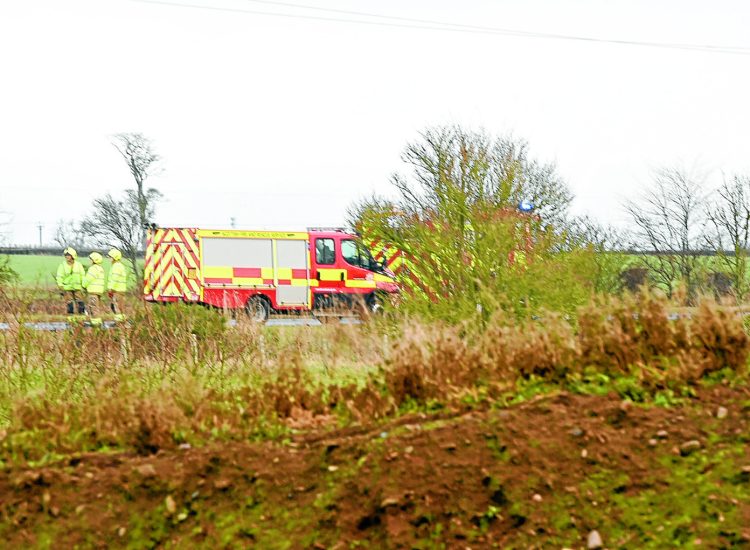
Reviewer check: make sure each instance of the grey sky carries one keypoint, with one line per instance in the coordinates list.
(282, 122)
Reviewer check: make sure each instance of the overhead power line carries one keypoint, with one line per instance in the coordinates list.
(433, 25)
(496, 29)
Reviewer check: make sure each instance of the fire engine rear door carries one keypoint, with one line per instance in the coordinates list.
(292, 270)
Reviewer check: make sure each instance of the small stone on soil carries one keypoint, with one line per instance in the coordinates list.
(537, 498)
(185, 446)
(721, 413)
(332, 468)
(662, 434)
(689, 447)
(576, 432)
(653, 442)
(594, 540)
(409, 449)
(222, 484)
(146, 470)
(79, 509)
(584, 453)
(121, 532)
(389, 501)
(170, 504)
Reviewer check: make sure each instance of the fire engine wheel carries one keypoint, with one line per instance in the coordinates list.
(374, 304)
(257, 309)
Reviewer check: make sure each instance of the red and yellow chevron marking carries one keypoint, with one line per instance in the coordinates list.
(172, 266)
(394, 258)
(403, 266)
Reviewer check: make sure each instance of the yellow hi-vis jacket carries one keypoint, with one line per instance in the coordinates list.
(118, 278)
(93, 282)
(70, 277)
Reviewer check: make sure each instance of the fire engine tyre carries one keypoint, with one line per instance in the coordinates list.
(258, 309)
(375, 304)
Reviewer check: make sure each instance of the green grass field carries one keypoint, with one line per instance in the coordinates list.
(39, 271)
(35, 270)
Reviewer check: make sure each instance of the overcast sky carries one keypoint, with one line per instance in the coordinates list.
(282, 122)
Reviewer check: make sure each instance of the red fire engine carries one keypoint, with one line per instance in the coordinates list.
(263, 271)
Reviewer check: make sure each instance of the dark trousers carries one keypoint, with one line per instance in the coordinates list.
(73, 299)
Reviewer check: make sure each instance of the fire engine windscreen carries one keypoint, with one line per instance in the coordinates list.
(358, 255)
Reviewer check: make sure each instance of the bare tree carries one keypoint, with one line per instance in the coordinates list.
(7, 274)
(143, 162)
(117, 222)
(670, 224)
(729, 218)
(455, 169)
(5, 220)
(607, 241)
(70, 233)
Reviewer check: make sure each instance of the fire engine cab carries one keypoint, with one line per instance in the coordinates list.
(263, 271)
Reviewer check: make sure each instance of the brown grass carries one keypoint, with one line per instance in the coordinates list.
(179, 374)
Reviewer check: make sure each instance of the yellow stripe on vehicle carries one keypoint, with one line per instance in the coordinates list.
(190, 241)
(180, 261)
(239, 234)
(275, 262)
(172, 289)
(328, 274)
(159, 269)
(218, 272)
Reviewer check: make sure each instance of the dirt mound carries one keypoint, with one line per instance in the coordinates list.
(544, 473)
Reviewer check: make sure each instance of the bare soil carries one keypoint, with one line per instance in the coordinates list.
(541, 474)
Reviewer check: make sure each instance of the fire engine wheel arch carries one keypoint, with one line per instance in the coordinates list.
(258, 308)
(375, 302)
(367, 303)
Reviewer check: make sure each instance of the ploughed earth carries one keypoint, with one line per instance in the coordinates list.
(558, 471)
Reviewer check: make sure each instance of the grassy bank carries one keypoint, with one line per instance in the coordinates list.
(396, 432)
(179, 374)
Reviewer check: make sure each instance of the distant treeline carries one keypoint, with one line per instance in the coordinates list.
(50, 251)
(83, 252)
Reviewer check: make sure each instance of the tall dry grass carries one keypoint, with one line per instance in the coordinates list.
(180, 374)
(628, 336)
